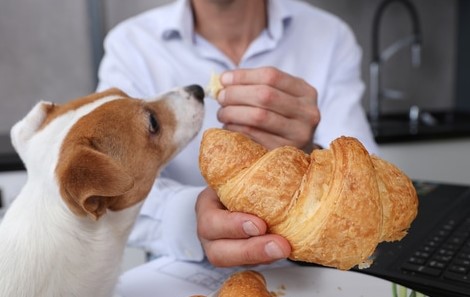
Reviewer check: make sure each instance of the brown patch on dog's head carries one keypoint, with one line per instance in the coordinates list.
(53, 111)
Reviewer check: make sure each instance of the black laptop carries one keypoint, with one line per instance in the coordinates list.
(434, 258)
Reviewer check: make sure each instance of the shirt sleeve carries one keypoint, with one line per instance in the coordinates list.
(341, 110)
(166, 225)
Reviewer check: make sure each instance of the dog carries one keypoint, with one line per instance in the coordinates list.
(90, 162)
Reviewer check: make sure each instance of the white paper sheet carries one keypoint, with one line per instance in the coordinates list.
(165, 277)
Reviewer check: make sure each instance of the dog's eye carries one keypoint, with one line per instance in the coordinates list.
(154, 126)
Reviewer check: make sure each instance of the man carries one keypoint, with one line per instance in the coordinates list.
(291, 76)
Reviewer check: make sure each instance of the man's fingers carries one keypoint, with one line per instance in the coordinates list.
(266, 76)
(234, 238)
(226, 225)
(255, 250)
(215, 222)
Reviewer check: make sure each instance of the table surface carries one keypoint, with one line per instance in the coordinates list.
(165, 276)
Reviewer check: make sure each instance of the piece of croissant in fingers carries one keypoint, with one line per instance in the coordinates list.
(214, 86)
(333, 206)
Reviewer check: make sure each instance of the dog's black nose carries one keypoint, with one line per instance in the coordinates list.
(196, 91)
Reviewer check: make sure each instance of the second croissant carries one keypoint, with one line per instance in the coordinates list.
(334, 206)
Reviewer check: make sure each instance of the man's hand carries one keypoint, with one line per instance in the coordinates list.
(270, 106)
(234, 238)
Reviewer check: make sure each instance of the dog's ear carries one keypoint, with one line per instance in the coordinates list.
(24, 130)
(90, 181)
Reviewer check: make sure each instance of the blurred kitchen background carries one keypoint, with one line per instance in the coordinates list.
(50, 50)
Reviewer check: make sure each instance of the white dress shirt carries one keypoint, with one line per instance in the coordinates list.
(159, 50)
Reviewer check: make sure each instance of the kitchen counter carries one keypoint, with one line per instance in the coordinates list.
(438, 160)
(9, 159)
(394, 128)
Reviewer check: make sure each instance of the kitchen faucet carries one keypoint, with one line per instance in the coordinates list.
(377, 93)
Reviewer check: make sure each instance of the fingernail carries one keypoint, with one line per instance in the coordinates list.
(273, 250)
(221, 96)
(250, 228)
(226, 78)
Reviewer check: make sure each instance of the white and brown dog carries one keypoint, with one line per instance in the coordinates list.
(90, 162)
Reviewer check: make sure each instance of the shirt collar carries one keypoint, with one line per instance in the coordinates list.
(279, 17)
(181, 25)
(181, 22)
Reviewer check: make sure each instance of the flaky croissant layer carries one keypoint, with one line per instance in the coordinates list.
(333, 206)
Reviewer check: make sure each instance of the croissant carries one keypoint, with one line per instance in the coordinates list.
(243, 283)
(334, 206)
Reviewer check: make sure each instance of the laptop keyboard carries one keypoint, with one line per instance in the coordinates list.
(445, 254)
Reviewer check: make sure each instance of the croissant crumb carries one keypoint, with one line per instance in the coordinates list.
(334, 206)
(366, 264)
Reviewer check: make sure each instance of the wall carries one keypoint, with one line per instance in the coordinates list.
(443, 161)
(44, 54)
(118, 10)
(45, 49)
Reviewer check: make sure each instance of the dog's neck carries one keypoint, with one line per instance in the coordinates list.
(62, 246)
